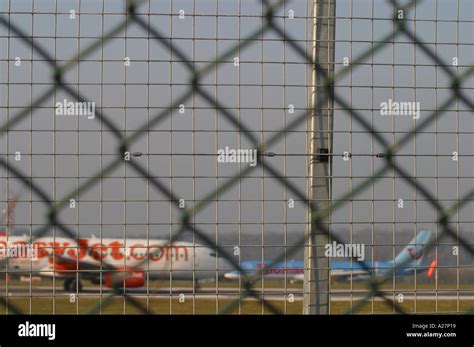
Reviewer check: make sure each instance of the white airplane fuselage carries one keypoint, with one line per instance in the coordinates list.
(63, 257)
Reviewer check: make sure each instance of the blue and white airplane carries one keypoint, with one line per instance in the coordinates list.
(405, 264)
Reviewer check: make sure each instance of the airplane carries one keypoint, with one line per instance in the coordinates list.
(405, 264)
(111, 261)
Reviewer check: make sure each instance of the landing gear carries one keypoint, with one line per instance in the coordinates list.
(197, 286)
(72, 285)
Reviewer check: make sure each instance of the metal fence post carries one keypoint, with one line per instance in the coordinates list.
(320, 123)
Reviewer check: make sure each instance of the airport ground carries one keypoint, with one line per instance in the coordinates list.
(48, 297)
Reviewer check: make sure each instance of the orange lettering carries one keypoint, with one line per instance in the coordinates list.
(115, 250)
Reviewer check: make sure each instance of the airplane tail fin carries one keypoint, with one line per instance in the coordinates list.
(412, 254)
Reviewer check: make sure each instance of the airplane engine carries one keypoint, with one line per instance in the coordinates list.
(66, 269)
(125, 277)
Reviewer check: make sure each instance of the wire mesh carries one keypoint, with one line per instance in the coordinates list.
(193, 81)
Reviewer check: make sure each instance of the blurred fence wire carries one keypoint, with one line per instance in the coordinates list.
(58, 71)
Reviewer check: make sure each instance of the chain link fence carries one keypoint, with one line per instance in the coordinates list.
(271, 29)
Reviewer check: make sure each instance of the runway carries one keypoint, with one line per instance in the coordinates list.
(277, 294)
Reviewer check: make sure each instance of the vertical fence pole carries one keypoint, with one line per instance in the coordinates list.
(320, 123)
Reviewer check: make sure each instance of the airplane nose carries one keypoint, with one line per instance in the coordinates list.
(224, 267)
(231, 275)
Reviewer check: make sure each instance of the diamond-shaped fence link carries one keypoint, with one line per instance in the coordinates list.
(196, 75)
